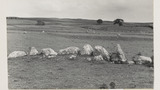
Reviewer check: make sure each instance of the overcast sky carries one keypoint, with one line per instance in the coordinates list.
(129, 10)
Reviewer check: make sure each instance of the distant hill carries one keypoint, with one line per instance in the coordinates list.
(73, 20)
(77, 24)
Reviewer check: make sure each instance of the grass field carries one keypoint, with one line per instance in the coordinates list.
(33, 72)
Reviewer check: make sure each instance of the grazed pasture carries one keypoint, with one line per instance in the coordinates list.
(35, 72)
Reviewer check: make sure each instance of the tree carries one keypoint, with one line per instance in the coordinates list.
(99, 21)
(39, 22)
(119, 22)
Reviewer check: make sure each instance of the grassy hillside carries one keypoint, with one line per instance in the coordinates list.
(60, 24)
(59, 72)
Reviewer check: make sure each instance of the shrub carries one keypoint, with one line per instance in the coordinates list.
(39, 22)
(118, 21)
(99, 21)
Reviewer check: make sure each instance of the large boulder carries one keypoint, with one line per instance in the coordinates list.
(98, 58)
(17, 54)
(138, 59)
(87, 50)
(102, 51)
(32, 51)
(69, 50)
(48, 52)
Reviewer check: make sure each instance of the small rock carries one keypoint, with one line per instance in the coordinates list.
(24, 32)
(89, 59)
(43, 31)
(51, 56)
(72, 57)
(130, 62)
(98, 58)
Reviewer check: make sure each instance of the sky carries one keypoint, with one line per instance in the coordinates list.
(129, 10)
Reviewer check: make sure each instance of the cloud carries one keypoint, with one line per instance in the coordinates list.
(130, 10)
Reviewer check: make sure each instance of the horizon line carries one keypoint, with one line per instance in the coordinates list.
(77, 18)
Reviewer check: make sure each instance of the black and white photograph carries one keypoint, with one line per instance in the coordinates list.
(80, 44)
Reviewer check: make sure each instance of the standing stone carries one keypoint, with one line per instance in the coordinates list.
(32, 51)
(121, 53)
